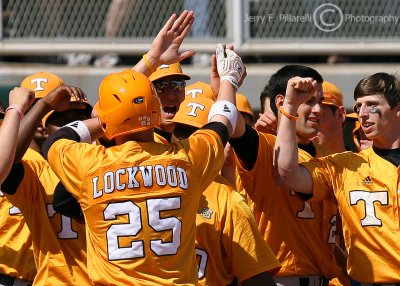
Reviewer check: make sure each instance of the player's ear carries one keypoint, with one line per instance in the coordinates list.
(398, 109)
(279, 100)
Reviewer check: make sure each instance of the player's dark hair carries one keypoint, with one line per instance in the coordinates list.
(278, 81)
(264, 94)
(380, 83)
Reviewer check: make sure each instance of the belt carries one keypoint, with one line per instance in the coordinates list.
(313, 280)
(6, 280)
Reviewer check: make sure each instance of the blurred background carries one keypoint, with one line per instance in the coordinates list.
(84, 40)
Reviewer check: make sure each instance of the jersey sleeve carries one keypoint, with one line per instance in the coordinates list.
(206, 151)
(261, 167)
(251, 255)
(24, 196)
(326, 173)
(70, 161)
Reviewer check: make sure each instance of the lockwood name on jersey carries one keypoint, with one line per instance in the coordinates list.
(127, 178)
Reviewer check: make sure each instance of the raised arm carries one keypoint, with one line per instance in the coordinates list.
(165, 47)
(59, 100)
(20, 100)
(231, 73)
(290, 173)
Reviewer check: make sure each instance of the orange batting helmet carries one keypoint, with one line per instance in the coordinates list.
(128, 103)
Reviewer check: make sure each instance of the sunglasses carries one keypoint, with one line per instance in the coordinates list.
(175, 85)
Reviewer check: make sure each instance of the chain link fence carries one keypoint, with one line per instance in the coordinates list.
(254, 26)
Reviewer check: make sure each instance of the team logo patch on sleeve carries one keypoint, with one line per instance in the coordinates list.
(206, 213)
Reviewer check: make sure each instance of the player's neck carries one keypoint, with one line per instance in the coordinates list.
(141, 136)
(35, 146)
(386, 144)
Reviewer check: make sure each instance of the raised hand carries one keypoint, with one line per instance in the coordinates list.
(267, 123)
(65, 97)
(21, 98)
(229, 65)
(299, 90)
(165, 47)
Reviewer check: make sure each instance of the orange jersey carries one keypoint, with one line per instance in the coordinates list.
(301, 234)
(140, 201)
(228, 243)
(16, 254)
(366, 189)
(58, 242)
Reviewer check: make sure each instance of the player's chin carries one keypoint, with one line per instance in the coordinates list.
(310, 132)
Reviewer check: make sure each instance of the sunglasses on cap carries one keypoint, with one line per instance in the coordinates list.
(175, 85)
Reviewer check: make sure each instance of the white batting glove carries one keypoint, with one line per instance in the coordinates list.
(230, 67)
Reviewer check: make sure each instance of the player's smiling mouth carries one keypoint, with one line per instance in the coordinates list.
(170, 110)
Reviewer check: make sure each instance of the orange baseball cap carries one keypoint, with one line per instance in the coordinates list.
(352, 115)
(332, 94)
(193, 111)
(243, 104)
(42, 83)
(168, 70)
(199, 89)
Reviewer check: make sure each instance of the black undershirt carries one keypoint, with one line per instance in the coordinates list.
(167, 136)
(391, 155)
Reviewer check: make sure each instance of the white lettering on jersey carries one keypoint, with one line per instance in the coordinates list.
(171, 175)
(118, 173)
(132, 183)
(306, 212)
(109, 182)
(39, 82)
(193, 92)
(96, 192)
(122, 179)
(147, 175)
(369, 198)
(13, 210)
(135, 224)
(183, 180)
(332, 230)
(159, 171)
(202, 258)
(66, 231)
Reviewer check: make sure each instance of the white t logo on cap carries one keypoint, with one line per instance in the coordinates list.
(164, 66)
(193, 92)
(38, 82)
(194, 107)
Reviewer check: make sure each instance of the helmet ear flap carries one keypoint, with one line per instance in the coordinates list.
(127, 103)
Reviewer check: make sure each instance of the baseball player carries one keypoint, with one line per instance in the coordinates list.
(360, 140)
(223, 220)
(305, 246)
(169, 82)
(58, 242)
(155, 189)
(16, 257)
(367, 196)
(331, 122)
